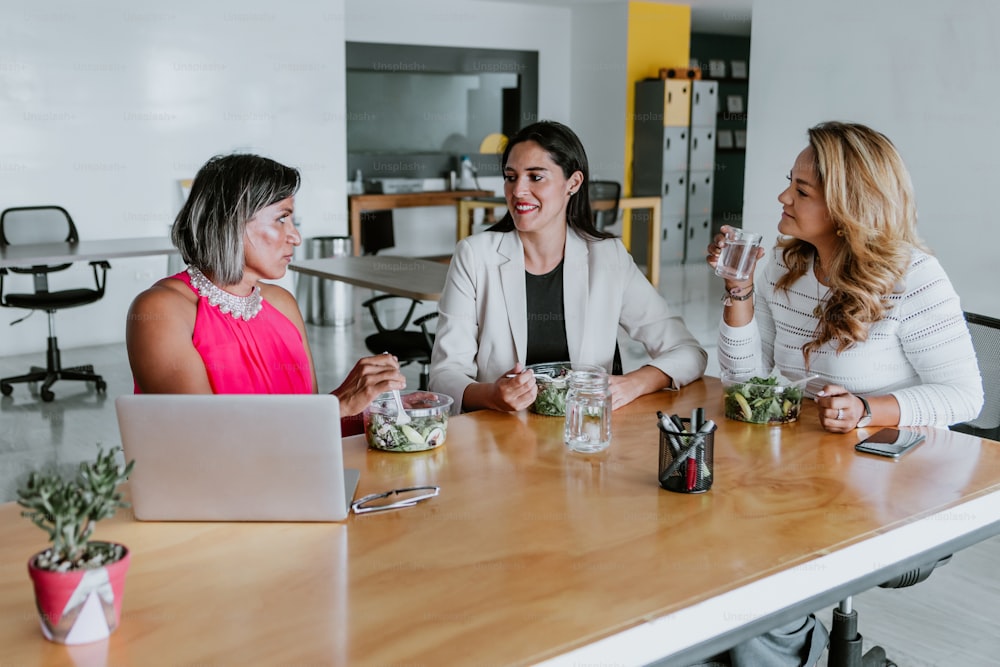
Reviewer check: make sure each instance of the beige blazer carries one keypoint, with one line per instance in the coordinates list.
(482, 331)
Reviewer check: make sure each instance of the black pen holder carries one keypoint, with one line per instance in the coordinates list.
(694, 473)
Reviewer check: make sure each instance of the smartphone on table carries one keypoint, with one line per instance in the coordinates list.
(891, 442)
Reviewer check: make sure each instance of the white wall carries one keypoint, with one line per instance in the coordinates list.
(104, 106)
(467, 23)
(924, 73)
(600, 85)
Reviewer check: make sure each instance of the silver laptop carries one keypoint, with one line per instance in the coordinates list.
(235, 457)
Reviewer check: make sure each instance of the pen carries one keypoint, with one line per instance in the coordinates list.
(668, 429)
(667, 423)
(697, 419)
(692, 469)
(678, 423)
(671, 441)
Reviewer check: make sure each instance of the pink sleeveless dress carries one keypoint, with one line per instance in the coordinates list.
(264, 355)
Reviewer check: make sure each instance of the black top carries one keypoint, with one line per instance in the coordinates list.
(546, 317)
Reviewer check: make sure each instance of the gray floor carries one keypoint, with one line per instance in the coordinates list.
(951, 619)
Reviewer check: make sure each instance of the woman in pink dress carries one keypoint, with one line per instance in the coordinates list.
(216, 328)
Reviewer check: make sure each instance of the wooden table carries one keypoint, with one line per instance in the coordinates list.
(467, 206)
(534, 554)
(84, 251)
(403, 276)
(358, 204)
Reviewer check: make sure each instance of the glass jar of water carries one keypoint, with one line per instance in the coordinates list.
(588, 410)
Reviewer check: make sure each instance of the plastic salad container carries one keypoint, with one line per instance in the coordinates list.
(776, 399)
(428, 425)
(552, 380)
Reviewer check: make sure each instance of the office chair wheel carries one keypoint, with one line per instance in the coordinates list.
(6, 389)
(48, 395)
(101, 386)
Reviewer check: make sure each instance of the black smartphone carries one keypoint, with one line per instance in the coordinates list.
(891, 442)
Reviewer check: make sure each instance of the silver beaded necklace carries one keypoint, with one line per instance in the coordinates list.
(240, 307)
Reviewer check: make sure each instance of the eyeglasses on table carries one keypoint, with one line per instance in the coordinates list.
(397, 499)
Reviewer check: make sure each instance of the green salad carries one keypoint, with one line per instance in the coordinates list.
(427, 428)
(763, 401)
(422, 433)
(551, 397)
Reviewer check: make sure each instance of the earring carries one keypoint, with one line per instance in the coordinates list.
(840, 232)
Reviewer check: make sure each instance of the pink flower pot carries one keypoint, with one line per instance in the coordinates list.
(81, 606)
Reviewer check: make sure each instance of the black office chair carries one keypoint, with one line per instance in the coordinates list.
(604, 191)
(986, 339)
(377, 231)
(42, 224)
(408, 345)
(845, 641)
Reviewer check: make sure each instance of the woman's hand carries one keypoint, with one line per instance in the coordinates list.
(370, 377)
(839, 410)
(514, 391)
(645, 380)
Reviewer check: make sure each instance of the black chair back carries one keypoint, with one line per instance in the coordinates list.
(24, 225)
(986, 339)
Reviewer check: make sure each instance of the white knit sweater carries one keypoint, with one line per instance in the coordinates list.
(920, 352)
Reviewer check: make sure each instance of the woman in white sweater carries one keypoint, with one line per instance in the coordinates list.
(851, 294)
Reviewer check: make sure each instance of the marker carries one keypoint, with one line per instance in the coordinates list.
(678, 423)
(675, 448)
(697, 454)
(697, 419)
(692, 470)
(667, 423)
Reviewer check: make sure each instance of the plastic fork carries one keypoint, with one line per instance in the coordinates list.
(401, 416)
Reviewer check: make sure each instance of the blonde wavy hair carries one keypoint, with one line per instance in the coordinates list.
(870, 200)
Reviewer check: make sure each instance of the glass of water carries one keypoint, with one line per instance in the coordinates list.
(588, 410)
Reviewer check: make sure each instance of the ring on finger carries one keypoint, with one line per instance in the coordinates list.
(840, 413)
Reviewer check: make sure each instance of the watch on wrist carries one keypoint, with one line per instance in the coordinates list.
(866, 416)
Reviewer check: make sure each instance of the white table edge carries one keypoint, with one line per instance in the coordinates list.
(676, 635)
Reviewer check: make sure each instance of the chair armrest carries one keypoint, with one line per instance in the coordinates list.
(100, 281)
(914, 576)
(422, 323)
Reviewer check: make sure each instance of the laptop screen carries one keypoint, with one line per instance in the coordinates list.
(235, 457)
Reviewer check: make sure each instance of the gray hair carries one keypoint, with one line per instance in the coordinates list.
(226, 193)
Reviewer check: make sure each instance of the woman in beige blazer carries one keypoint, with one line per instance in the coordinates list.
(545, 285)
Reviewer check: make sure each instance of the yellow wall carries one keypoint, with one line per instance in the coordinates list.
(659, 35)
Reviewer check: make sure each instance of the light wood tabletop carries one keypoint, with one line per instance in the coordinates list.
(531, 553)
(404, 276)
(84, 251)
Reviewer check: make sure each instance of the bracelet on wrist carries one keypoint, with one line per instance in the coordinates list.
(732, 295)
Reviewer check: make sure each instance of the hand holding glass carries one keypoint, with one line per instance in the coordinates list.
(739, 254)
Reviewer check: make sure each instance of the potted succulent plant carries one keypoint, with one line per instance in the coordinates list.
(78, 582)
